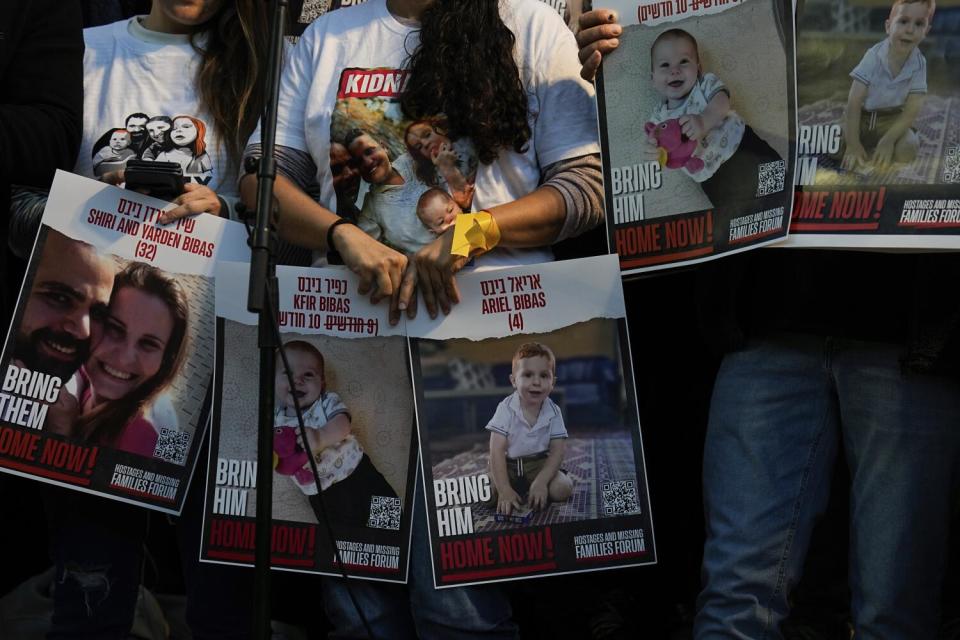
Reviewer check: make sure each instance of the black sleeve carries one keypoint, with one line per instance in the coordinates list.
(41, 89)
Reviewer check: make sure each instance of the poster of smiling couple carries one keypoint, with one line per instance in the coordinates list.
(108, 362)
(698, 128)
(879, 124)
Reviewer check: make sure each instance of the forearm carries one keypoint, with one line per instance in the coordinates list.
(568, 202)
(300, 219)
(554, 461)
(717, 109)
(852, 114)
(330, 434)
(498, 465)
(906, 119)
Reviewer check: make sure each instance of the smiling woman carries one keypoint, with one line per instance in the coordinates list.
(141, 350)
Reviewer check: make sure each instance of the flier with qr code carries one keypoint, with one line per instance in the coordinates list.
(108, 363)
(879, 125)
(530, 439)
(349, 375)
(697, 128)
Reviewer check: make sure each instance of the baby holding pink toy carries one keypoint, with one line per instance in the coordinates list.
(694, 128)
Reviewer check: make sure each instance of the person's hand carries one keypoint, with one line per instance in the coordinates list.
(508, 500)
(62, 415)
(692, 126)
(651, 149)
(434, 268)
(883, 154)
(445, 157)
(598, 36)
(854, 156)
(538, 494)
(116, 178)
(380, 268)
(196, 198)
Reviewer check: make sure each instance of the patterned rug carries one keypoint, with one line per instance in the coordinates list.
(935, 127)
(589, 461)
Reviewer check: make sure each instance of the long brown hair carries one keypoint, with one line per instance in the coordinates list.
(464, 69)
(229, 77)
(105, 422)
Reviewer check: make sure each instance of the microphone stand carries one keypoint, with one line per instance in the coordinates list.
(263, 300)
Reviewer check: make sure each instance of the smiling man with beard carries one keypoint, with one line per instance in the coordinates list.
(69, 297)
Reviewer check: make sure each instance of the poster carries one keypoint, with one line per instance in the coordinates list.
(108, 362)
(352, 381)
(697, 127)
(547, 342)
(894, 183)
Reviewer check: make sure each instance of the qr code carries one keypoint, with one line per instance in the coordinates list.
(384, 513)
(770, 177)
(951, 165)
(313, 9)
(172, 445)
(620, 498)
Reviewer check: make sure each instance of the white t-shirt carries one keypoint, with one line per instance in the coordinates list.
(722, 141)
(354, 55)
(144, 80)
(524, 439)
(883, 90)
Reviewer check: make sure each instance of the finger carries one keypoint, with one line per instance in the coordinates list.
(439, 284)
(365, 283)
(589, 19)
(408, 289)
(589, 69)
(384, 284)
(453, 290)
(412, 306)
(427, 288)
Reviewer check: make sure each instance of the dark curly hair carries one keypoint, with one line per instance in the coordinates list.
(464, 69)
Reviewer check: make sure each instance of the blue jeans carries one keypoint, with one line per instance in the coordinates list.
(417, 610)
(782, 409)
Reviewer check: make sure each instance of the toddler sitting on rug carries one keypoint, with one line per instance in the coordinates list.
(527, 436)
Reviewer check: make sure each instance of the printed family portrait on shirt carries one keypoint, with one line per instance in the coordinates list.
(402, 181)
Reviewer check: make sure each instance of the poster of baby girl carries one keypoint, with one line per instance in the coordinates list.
(108, 364)
(698, 128)
(529, 432)
(878, 142)
(343, 482)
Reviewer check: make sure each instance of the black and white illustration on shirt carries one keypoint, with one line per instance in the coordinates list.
(180, 139)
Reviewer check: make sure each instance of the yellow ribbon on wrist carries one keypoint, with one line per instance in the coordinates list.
(474, 233)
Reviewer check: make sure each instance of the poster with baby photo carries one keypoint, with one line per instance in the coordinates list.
(108, 363)
(529, 434)
(351, 381)
(878, 142)
(697, 125)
